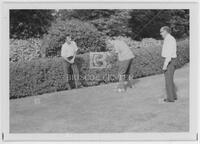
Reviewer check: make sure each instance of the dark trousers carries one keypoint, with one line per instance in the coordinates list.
(124, 72)
(169, 81)
(75, 73)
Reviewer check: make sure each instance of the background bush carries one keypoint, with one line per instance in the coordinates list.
(24, 50)
(87, 37)
(45, 75)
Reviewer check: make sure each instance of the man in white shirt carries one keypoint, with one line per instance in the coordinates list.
(68, 53)
(169, 53)
(125, 57)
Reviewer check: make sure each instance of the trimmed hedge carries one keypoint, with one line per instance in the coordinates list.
(36, 77)
(45, 75)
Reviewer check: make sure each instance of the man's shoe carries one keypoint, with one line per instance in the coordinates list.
(120, 90)
(166, 100)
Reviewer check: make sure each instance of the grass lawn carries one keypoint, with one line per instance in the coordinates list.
(100, 109)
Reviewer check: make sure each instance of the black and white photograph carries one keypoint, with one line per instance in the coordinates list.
(102, 70)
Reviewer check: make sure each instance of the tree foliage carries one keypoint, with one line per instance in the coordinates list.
(147, 23)
(112, 22)
(135, 23)
(85, 15)
(115, 25)
(29, 23)
(138, 24)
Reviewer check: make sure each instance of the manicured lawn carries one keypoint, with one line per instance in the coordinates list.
(100, 109)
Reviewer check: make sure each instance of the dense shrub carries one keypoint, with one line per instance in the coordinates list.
(24, 50)
(183, 53)
(46, 74)
(87, 37)
(36, 77)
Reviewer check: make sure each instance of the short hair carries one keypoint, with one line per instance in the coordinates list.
(166, 28)
(67, 35)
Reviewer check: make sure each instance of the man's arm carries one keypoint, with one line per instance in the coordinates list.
(73, 58)
(167, 60)
(68, 59)
(75, 51)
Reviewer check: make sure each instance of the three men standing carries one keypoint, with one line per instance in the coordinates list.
(126, 56)
(169, 53)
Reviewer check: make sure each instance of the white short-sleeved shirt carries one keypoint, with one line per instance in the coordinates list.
(169, 47)
(123, 50)
(68, 50)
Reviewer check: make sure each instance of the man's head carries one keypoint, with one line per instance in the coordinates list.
(68, 37)
(164, 31)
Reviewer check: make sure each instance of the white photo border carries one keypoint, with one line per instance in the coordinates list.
(193, 104)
